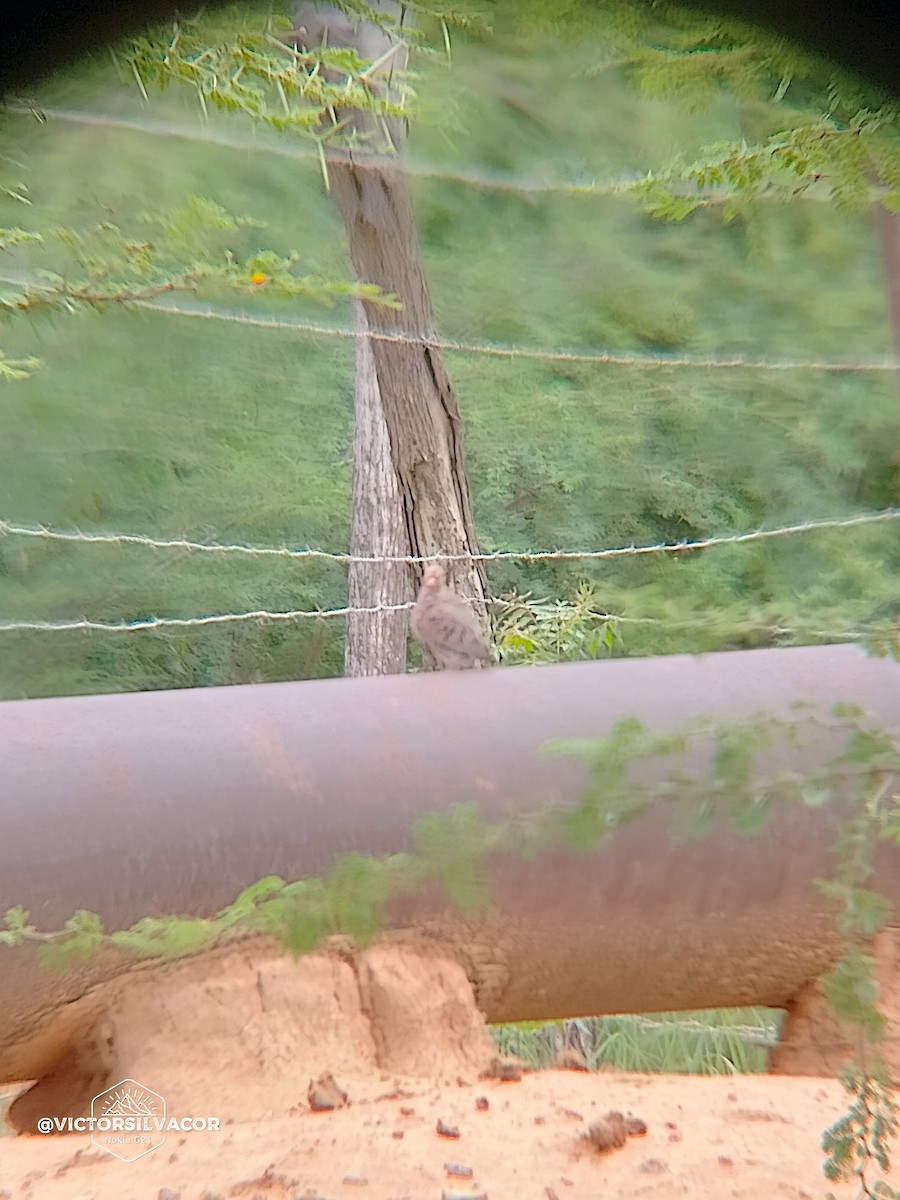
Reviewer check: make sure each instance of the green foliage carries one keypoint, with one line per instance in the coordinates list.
(716, 776)
(855, 164)
(453, 845)
(81, 937)
(10, 368)
(821, 128)
(241, 64)
(852, 992)
(17, 926)
(105, 265)
(360, 888)
(828, 133)
(715, 1042)
(17, 237)
(553, 631)
(860, 1137)
(17, 368)
(173, 937)
(891, 825)
(250, 898)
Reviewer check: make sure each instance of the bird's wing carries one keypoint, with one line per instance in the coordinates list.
(459, 636)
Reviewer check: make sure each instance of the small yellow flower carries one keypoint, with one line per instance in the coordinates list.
(259, 278)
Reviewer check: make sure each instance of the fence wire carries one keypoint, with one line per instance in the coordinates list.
(309, 153)
(496, 350)
(13, 529)
(471, 178)
(209, 312)
(265, 616)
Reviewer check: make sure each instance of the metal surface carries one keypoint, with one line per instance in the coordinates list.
(172, 802)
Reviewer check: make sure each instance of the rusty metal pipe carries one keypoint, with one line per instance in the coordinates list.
(165, 803)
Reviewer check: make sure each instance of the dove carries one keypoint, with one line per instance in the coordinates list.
(443, 623)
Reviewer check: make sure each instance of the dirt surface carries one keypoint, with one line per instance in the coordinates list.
(372, 1076)
(814, 1042)
(750, 1137)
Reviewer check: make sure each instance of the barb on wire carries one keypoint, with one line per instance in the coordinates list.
(495, 350)
(11, 528)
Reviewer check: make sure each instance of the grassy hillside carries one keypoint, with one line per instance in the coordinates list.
(147, 423)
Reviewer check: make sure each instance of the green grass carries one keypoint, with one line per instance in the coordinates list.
(709, 1042)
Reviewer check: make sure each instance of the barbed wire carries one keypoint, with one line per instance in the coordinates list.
(209, 312)
(488, 180)
(471, 178)
(498, 350)
(11, 528)
(262, 616)
(419, 168)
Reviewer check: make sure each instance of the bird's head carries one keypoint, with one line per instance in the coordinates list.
(433, 578)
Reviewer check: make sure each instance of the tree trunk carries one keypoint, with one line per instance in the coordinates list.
(410, 494)
(887, 225)
(420, 411)
(375, 643)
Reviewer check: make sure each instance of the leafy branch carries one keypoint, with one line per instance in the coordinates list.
(176, 252)
(545, 630)
(853, 164)
(831, 134)
(859, 1139)
(531, 630)
(13, 369)
(253, 68)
